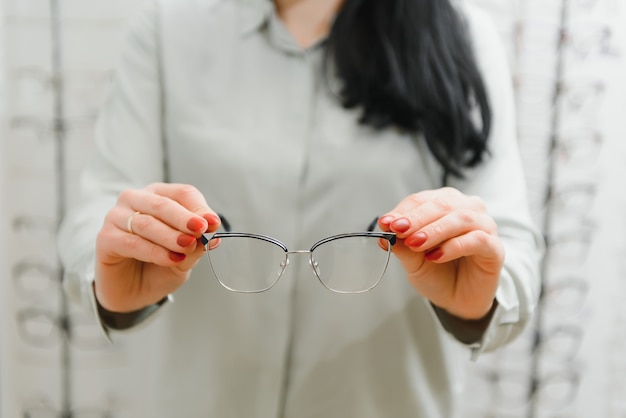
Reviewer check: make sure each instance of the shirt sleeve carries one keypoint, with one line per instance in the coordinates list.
(500, 182)
(128, 153)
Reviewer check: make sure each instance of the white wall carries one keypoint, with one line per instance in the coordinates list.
(4, 274)
(580, 366)
(52, 372)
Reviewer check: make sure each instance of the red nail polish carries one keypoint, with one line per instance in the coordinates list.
(177, 257)
(434, 254)
(401, 225)
(212, 219)
(185, 240)
(416, 240)
(196, 224)
(214, 243)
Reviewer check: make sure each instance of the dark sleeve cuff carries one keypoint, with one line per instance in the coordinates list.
(467, 331)
(126, 320)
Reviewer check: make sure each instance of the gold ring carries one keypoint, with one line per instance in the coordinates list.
(129, 222)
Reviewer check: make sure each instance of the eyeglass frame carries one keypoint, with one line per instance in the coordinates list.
(62, 325)
(389, 236)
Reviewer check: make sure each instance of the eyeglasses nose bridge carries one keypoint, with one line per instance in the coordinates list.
(299, 252)
(285, 262)
(313, 264)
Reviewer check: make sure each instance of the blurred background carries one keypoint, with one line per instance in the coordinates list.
(569, 72)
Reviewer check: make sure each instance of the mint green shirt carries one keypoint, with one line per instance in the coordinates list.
(217, 94)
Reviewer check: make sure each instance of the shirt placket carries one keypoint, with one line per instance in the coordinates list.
(300, 121)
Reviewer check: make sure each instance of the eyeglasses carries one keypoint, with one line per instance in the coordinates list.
(43, 328)
(33, 142)
(253, 263)
(74, 11)
(566, 297)
(577, 95)
(570, 247)
(582, 37)
(25, 224)
(49, 412)
(36, 280)
(35, 88)
(573, 147)
(578, 146)
(45, 408)
(553, 7)
(573, 200)
(516, 389)
(561, 343)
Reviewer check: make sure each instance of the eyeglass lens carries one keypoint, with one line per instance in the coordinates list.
(350, 264)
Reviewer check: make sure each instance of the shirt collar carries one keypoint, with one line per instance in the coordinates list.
(255, 15)
(261, 14)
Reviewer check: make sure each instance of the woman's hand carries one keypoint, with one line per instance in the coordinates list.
(149, 244)
(449, 247)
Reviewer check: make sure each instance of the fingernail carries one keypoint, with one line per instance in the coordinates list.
(177, 257)
(434, 254)
(386, 220)
(401, 225)
(212, 219)
(185, 240)
(416, 240)
(214, 243)
(196, 224)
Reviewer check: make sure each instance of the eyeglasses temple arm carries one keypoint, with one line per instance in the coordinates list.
(225, 225)
(372, 225)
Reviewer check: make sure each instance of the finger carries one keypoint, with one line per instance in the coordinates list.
(156, 231)
(116, 243)
(181, 206)
(185, 194)
(192, 258)
(420, 209)
(191, 199)
(152, 230)
(412, 215)
(213, 243)
(451, 225)
(477, 244)
(163, 208)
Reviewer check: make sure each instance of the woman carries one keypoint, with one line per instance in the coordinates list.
(303, 119)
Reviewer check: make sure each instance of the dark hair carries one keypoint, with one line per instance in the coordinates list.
(408, 64)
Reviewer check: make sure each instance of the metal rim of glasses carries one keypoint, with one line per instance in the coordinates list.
(389, 236)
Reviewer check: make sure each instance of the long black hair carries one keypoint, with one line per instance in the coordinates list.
(409, 64)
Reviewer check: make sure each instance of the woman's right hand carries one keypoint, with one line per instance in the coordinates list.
(149, 243)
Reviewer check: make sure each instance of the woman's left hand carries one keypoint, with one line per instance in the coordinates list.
(449, 247)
